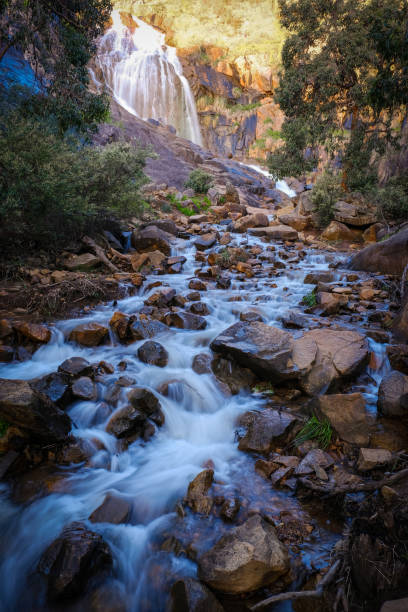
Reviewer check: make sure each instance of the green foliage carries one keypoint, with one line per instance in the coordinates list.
(236, 108)
(200, 204)
(309, 300)
(321, 431)
(199, 180)
(236, 92)
(296, 156)
(3, 428)
(53, 189)
(392, 198)
(275, 134)
(260, 144)
(326, 192)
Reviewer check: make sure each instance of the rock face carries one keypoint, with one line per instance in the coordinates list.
(189, 595)
(89, 334)
(266, 430)
(388, 257)
(151, 239)
(393, 395)
(347, 416)
(22, 406)
(75, 558)
(247, 558)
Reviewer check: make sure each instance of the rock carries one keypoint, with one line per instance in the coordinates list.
(202, 363)
(146, 262)
(75, 452)
(75, 558)
(161, 298)
(153, 353)
(82, 263)
(330, 303)
(127, 422)
(152, 239)
(264, 349)
(26, 408)
(295, 320)
(113, 509)
(166, 225)
(199, 308)
(314, 458)
(197, 285)
(89, 334)
(338, 231)
(248, 557)
(189, 595)
(6, 328)
(400, 325)
(249, 221)
(140, 330)
(33, 331)
(347, 415)
(198, 219)
(275, 232)
(6, 353)
(398, 356)
(75, 366)
(266, 430)
(371, 458)
(145, 401)
(197, 498)
(205, 241)
(185, 320)
(388, 257)
(395, 605)
(298, 222)
(393, 395)
(84, 389)
(56, 387)
(355, 213)
(321, 276)
(231, 374)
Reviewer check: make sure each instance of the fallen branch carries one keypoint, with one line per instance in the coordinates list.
(372, 485)
(100, 253)
(121, 256)
(291, 595)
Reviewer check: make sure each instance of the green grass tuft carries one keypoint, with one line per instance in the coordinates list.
(321, 431)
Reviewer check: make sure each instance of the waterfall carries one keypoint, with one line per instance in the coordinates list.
(145, 76)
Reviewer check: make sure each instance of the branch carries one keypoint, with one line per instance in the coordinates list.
(99, 252)
(357, 488)
(324, 582)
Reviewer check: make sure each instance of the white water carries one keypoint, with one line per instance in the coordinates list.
(153, 476)
(145, 76)
(281, 185)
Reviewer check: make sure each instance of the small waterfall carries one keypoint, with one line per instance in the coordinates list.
(145, 76)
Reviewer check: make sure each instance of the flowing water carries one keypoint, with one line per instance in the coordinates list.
(200, 425)
(145, 76)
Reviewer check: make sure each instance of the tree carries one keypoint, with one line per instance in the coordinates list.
(344, 64)
(57, 37)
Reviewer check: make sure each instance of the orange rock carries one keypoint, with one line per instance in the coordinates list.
(89, 334)
(33, 331)
(5, 328)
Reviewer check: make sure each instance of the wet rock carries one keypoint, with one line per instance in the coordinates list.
(338, 231)
(398, 356)
(315, 458)
(6, 354)
(185, 320)
(77, 557)
(265, 468)
(140, 330)
(75, 452)
(33, 412)
(6, 328)
(296, 320)
(146, 262)
(197, 285)
(84, 389)
(197, 498)
(89, 334)
(204, 242)
(275, 232)
(127, 422)
(372, 458)
(153, 353)
(152, 239)
(264, 349)
(56, 387)
(258, 219)
(199, 308)
(166, 225)
(161, 298)
(279, 476)
(202, 363)
(113, 509)
(320, 276)
(82, 263)
(250, 316)
(144, 400)
(248, 557)
(388, 257)
(347, 415)
(230, 373)
(223, 282)
(189, 595)
(75, 366)
(393, 395)
(330, 303)
(230, 509)
(33, 331)
(266, 430)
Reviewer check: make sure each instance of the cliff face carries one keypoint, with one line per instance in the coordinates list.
(230, 52)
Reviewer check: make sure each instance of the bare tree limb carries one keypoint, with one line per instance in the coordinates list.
(291, 595)
(372, 485)
(99, 252)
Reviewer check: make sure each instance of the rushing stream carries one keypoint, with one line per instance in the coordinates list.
(200, 425)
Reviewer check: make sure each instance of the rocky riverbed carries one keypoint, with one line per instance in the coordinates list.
(154, 453)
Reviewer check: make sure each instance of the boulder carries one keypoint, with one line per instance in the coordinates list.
(127, 422)
(338, 231)
(75, 366)
(75, 558)
(258, 219)
(400, 324)
(84, 389)
(89, 334)
(113, 509)
(166, 225)
(202, 363)
(197, 498)
(197, 285)
(357, 214)
(189, 595)
(398, 356)
(233, 375)
(140, 330)
(33, 412)
(205, 241)
(372, 458)
(33, 331)
(185, 320)
(82, 263)
(298, 222)
(275, 232)
(393, 395)
(388, 257)
(144, 400)
(247, 558)
(153, 353)
(330, 303)
(347, 415)
(265, 430)
(152, 239)
(146, 262)
(199, 308)
(56, 387)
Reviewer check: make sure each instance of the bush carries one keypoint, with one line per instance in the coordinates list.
(54, 189)
(325, 194)
(200, 181)
(321, 431)
(392, 198)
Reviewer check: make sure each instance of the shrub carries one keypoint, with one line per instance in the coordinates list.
(325, 194)
(309, 299)
(199, 180)
(315, 430)
(53, 189)
(392, 198)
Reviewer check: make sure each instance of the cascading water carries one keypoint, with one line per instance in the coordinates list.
(145, 76)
